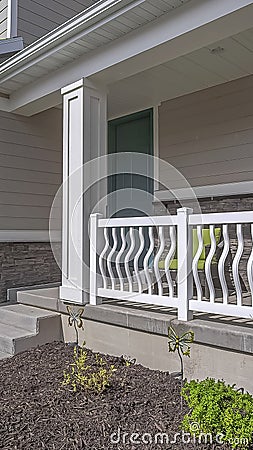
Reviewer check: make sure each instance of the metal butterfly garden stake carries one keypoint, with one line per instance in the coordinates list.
(180, 344)
(75, 319)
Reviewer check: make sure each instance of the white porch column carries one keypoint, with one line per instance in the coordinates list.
(84, 138)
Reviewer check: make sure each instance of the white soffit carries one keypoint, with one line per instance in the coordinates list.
(195, 71)
(98, 25)
(116, 39)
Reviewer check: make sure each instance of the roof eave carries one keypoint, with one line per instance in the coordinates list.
(71, 30)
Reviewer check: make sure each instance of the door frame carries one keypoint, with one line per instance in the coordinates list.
(136, 115)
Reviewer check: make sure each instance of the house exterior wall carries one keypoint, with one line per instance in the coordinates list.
(30, 175)
(3, 18)
(30, 168)
(35, 19)
(208, 135)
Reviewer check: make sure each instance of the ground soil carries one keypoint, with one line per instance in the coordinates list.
(37, 412)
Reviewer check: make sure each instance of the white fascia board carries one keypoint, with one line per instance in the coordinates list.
(192, 26)
(194, 14)
(216, 190)
(75, 28)
(11, 45)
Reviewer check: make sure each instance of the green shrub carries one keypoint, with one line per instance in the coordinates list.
(219, 409)
(83, 376)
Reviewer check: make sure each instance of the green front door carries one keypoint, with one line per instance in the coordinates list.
(133, 133)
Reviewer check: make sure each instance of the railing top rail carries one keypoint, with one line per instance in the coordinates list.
(148, 221)
(221, 218)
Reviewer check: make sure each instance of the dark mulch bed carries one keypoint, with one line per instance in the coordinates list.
(36, 412)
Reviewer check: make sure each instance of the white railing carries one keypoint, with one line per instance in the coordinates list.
(170, 261)
(230, 284)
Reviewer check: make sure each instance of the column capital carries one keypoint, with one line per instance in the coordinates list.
(72, 87)
(83, 82)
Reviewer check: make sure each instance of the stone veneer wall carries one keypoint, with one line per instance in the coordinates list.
(209, 205)
(26, 264)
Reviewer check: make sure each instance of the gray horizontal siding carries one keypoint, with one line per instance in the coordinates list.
(37, 18)
(3, 18)
(30, 168)
(208, 135)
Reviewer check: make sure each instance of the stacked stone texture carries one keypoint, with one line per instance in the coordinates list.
(26, 264)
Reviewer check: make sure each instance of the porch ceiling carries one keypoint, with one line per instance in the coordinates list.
(215, 64)
(145, 51)
(136, 14)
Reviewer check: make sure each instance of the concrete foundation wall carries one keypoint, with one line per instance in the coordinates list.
(26, 264)
(151, 351)
(223, 347)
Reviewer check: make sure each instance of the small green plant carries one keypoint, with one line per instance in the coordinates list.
(180, 344)
(128, 361)
(82, 376)
(219, 409)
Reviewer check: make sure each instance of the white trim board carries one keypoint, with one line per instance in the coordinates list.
(11, 45)
(216, 190)
(156, 144)
(12, 19)
(28, 236)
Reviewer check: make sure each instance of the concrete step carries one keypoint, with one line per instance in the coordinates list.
(20, 316)
(4, 355)
(9, 336)
(23, 327)
(42, 298)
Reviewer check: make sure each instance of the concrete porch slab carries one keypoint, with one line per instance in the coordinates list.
(215, 330)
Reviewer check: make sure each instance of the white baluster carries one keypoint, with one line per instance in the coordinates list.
(95, 248)
(195, 263)
(127, 259)
(184, 259)
(118, 257)
(137, 257)
(109, 257)
(157, 259)
(208, 264)
(235, 265)
(147, 257)
(250, 266)
(169, 258)
(101, 259)
(221, 264)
